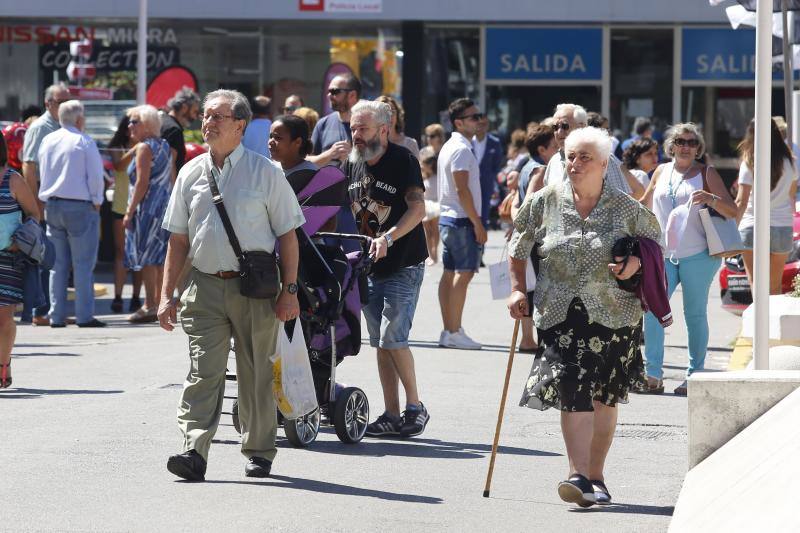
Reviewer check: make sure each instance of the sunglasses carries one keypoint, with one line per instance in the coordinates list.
(288, 110)
(692, 143)
(474, 116)
(561, 126)
(337, 92)
(134, 121)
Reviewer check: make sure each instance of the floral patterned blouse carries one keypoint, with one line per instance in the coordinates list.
(575, 253)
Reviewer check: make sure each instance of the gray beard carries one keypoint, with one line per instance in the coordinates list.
(372, 150)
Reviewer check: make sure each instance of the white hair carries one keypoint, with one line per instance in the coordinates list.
(578, 112)
(381, 112)
(69, 112)
(50, 92)
(149, 116)
(240, 107)
(596, 137)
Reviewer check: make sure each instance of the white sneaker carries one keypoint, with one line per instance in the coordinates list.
(444, 338)
(461, 341)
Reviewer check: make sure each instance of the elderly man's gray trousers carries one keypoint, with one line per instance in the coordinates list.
(213, 312)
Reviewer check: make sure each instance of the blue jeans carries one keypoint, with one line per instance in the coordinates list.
(695, 273)
(391, 307)
(73, 227)
(460, 251)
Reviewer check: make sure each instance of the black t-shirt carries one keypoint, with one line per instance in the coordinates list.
(377, 197)
(172, 132)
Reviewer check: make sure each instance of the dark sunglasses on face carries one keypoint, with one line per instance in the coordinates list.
(561, 126)
(475, 116)
(692, 143)
(337, 92)
(134, 121)
(288, 110)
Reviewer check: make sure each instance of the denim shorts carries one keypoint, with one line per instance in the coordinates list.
(391, 307)
(460, 251)
(780, 239)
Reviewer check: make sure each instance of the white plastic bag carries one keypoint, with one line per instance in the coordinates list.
(293, 384)
(500, 279)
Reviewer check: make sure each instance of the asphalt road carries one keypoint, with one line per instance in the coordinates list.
(91, 421)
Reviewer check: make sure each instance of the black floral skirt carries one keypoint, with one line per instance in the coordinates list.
(579, 362)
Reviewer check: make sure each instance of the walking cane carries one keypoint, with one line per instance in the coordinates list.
(502, 408)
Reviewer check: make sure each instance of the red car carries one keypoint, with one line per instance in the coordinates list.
(734, 285)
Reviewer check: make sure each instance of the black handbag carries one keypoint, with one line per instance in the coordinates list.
(259, 277)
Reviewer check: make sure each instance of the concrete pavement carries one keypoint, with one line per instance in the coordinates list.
(88, 427)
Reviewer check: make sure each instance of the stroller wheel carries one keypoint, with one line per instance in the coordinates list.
(351, 415)
(302, 431)
(235, 416)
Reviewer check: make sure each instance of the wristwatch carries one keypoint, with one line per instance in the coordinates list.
(389, 240)
(291, 288)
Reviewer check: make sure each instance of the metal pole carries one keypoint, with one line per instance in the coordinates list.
(787, 71)
(141, 58)
(761, 187)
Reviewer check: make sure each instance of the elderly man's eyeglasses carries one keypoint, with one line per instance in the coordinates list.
(692, 143)
(337, 92)
(475, 116)
(289, 109)
(562, 126)
(215, 117)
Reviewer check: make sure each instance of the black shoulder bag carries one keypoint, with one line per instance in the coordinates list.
(258, 271)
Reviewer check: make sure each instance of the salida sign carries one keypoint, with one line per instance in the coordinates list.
(544, 54)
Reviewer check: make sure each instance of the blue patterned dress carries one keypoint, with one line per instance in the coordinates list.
(10, 266)
(146, 241)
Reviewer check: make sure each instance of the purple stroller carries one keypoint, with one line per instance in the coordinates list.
(332, 290)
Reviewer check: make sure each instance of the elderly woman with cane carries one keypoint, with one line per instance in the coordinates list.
(588, 358)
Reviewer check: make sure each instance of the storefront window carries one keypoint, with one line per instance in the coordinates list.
(452, 70)
(641, 77)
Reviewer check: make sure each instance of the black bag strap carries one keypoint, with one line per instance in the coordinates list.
(216, 198)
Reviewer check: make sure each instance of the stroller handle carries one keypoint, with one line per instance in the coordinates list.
(344, 236)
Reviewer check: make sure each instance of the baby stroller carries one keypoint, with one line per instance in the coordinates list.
(331, 285)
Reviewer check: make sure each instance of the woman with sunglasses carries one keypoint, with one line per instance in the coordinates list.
(434, 135)
(783, 187)
(152, 174)
(685, 181)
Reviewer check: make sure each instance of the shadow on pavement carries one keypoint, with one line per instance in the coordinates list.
(36, 393)
(334, 488)
(434, 344)
(428, 448)
(629, 508)
(43, 354)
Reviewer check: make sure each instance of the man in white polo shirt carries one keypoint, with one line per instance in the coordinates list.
(460, 227)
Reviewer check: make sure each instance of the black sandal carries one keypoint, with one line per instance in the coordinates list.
(601, 494)
(5, 375)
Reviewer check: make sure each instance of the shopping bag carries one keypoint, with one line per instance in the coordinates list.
(722, 234)
(500, 279)
(293, 384)
(676, 225)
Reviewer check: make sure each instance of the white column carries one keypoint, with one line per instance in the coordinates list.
(761, 187)
(141, 63)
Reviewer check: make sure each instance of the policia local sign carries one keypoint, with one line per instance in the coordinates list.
(544, 54)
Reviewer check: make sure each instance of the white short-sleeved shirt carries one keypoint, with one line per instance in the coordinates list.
(456, 155)
(258, 199)
(641, 176)
(781, 205)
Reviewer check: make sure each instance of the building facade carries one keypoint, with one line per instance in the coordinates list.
(672, 61)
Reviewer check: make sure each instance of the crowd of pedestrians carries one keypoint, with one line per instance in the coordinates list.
(586, 209)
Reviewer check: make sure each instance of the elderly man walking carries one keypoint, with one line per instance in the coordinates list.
(568, 118)
(386, 194)
(54, 96)
(263, 212)
(71, 171)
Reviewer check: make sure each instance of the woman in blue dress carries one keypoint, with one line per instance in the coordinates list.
(152, 174)
(16, 199)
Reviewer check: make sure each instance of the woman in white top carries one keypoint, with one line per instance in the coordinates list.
(675, 184)
(427, 164)
(783, 184)
(641, 158)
